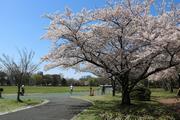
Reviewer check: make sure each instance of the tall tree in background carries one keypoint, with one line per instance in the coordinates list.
(2, 77)
(63, 82)
(37, 79)
(177, 68)
(168, 77)
(102, 74)
(123, 39)
(19, 69)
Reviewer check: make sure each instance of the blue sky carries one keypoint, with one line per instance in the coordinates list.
(22, 25)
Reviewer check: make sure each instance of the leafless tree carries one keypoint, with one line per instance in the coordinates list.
(20, 68)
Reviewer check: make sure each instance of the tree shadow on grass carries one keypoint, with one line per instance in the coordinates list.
(144, 110)
(75, 109)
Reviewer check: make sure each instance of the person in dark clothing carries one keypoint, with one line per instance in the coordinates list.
(103, 90)
(22, 90)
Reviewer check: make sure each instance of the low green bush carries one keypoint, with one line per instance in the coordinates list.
(141, 93)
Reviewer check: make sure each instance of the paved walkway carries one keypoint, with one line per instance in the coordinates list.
(173, 103)
(61, 107)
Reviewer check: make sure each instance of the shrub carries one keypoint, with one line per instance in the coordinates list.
(1, 89)
(140, 93)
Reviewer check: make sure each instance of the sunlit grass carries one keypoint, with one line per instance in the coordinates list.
(37, 89)
(161, 93)
(109, 108)
(7, 105)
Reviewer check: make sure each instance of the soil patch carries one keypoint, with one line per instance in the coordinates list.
(173, 103)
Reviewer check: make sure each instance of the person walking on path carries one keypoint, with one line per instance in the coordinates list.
(71, 89)
(22, 90)
(91, 92)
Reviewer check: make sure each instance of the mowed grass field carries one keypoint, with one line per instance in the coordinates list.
(7, 105)
(45, 89)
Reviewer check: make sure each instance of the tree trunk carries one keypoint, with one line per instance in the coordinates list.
(114, 91)
(113, 87)
(165, 86)
(171, 90)
(126, 99)
(179, 82)
(18, 93)
(171, 86)
(125, 96)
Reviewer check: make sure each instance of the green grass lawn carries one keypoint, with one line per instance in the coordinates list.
(36, 89)
(7, 105)
(161, 93)
(109, 108)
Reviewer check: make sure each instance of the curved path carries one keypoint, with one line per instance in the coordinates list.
(174, 103)
(61, 107)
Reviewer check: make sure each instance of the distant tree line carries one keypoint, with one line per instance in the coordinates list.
(167, 79)
(40, 79)
(167, 85)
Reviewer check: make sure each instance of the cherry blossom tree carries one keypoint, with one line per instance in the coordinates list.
(123, 39)
(168, 77)
(178, 73)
